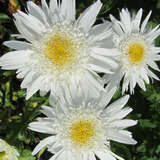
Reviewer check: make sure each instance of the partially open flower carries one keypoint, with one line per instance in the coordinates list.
(7, 152)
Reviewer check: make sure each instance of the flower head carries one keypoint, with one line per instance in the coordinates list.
(138, 51)
(61, 54)
(7, 152)
(84, 129)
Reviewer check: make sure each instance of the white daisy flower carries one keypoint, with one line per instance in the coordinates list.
(138, 51)
(62, 54)
(84, 129)
(7, 152)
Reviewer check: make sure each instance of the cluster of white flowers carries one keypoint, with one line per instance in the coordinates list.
(64, 56)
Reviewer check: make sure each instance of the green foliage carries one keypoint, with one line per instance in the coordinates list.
(3, 17)
(16, 113)
(26, 155)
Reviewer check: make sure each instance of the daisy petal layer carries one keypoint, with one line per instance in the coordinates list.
(62, 54)
(87, 128)
(138, 55)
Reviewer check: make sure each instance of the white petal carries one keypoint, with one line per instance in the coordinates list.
(36, 85)
(27, 79)
(106, 61)
(45, 7)
(95, 82)
(37, 28)
(46, 88)
(22, 72)
(107, 65)
(145, 76)
(62, 156)
(55, 147)
(100, 31)
(126, 133)
(141, 84)
(25, 33)
(117, 105)
(125, 84)
(14, 55)
(117, 27)
(120, 114)
(107, 96)
(37, 12)
(137, 20)
(153, 65)
(42, 92)
(106, 52)
(43, 143)
(52, 100)
(55, 157)
(41, 127)
(68, 9)
(88, 17)
(93, 85)
(119, 137)
(48, 111)
(56, 89)
(126, 20)
(122, 124)
(151, 74)
(17, 45)
(91, 156)
(132, 82)
(155, 50)
(104, 155)
(53, 5)
(113, 79)
(14, 60)
(152, 32)
(155, 57)
(100, 69)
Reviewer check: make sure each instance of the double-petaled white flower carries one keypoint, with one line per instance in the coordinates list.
(7, 152)
(136, 43)
(84, 129)
(61, 54)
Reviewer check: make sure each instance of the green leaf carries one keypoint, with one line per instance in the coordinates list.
(146, 123)
(158, 4)
(26, 155)
(141, 148)
(158, 149)
(3, 17)
(41, 152)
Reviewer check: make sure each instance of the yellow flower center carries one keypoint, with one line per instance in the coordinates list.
(82, 131)
(61, 50)
(136, 52)
(3, 156)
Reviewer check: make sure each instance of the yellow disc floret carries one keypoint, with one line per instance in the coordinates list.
(82, 131)
(61, 50)
(136, 52)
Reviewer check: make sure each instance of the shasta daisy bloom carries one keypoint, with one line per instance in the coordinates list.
(7, 152)
(84, 129)
(61, 53)
(138, 51)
